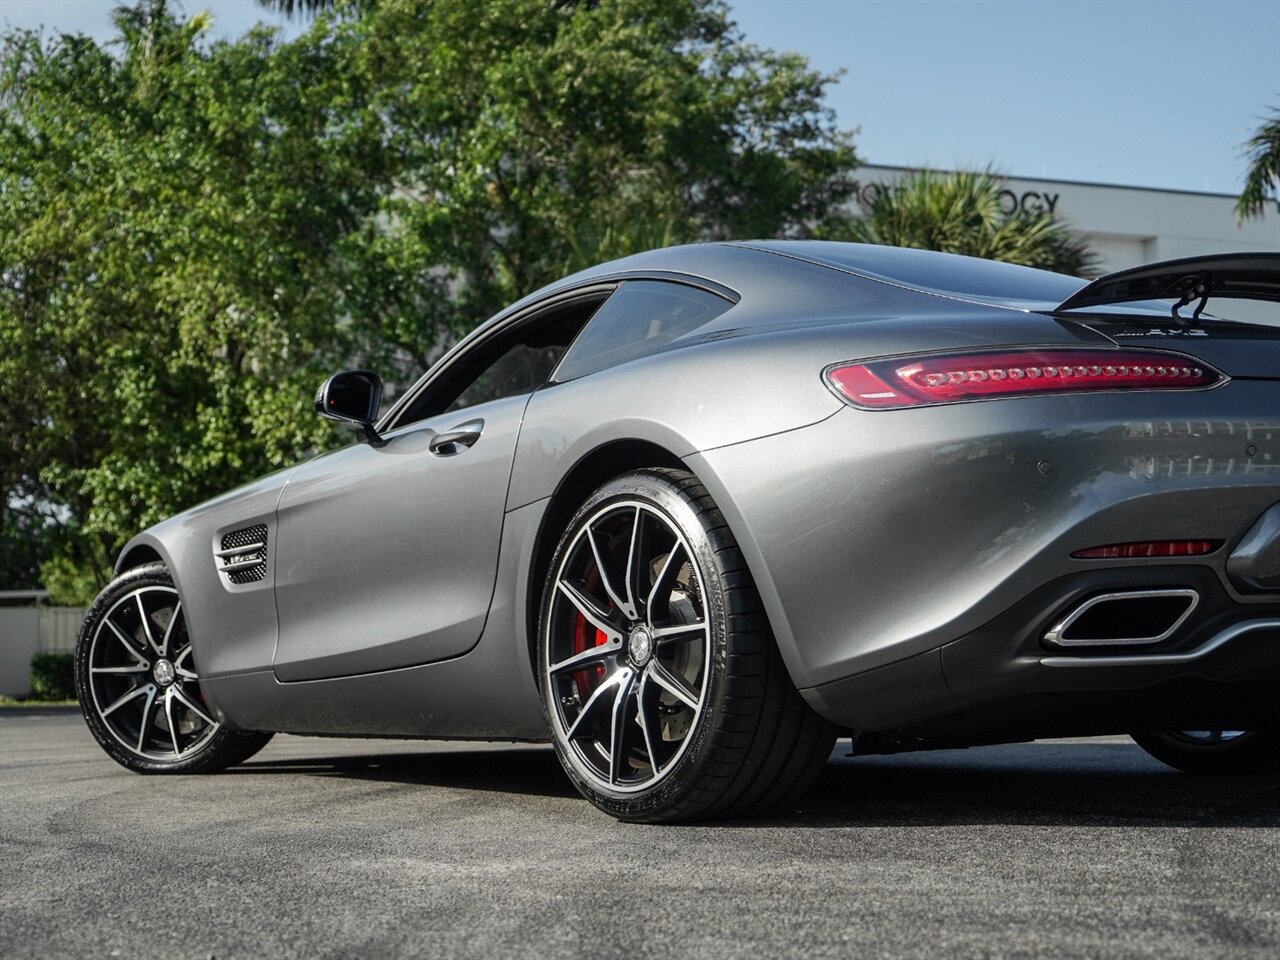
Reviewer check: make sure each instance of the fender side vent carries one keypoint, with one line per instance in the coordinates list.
(243, 557)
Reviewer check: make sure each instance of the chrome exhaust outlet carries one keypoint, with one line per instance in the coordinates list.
(1126, 618)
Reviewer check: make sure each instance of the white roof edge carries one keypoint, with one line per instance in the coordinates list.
(1071, 183)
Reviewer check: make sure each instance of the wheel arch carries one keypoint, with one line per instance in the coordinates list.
(602, 464)
(141, 550)
(147, 548)
(611, 460)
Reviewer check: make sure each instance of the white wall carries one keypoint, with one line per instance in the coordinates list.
(19, 642)
(26, 631)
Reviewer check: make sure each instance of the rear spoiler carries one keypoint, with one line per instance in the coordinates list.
(1234, 276)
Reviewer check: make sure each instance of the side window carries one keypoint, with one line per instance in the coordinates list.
(522, 369)
(514, 362)
(641, 317)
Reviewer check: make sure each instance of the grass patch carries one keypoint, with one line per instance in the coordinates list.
(36, 704)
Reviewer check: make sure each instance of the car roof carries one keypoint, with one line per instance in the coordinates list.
(968, 278)
(739, 263)
(794, 269)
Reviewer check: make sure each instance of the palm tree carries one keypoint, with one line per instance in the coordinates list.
(299, 7)
(961, 213)
(1263, 153)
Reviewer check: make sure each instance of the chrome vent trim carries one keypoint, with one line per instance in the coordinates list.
(1057, 635)
(243, 557)
(1151, 659)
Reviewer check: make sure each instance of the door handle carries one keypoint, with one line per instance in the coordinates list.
(456, 440)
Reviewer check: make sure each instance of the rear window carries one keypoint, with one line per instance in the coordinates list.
(640, 318)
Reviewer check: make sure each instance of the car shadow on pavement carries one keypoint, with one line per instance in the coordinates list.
(531, 772)
(1072, 784)
(1079, 784)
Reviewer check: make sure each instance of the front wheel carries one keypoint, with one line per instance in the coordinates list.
(662, 686)
(1215, 751)
(136, 680)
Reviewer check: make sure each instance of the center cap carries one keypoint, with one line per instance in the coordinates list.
(164, 672)
(640, 645)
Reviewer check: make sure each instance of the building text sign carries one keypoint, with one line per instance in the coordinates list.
(1012, 202)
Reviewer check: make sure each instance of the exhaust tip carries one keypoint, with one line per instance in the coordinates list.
(1124, 618)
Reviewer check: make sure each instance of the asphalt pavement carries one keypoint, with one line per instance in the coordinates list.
(321, 848)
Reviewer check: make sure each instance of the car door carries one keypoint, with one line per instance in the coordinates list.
(387, 553)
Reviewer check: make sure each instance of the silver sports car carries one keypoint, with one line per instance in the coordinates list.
(693, 514)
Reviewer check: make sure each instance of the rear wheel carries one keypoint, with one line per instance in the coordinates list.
(663, 688)
(137, 683)
(1215, 751)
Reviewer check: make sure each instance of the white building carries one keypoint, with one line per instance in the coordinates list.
(1130, 226)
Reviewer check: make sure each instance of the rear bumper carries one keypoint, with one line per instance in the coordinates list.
(1220, 670)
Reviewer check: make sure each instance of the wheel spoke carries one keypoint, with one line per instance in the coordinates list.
(677, 632)
(125, 698)
(168, 715)
(642, 713)
(126, 640)
(598, 696)
(590, 655)
(147, 714)
(605, 580)
(665, 581)
(192, 706)
(595, 616)
(179, 669)
(618, 726)
(672, 684)
(133, 668)
(146, 624)
(634, 565)
(168, 631)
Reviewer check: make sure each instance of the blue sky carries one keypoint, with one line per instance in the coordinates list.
(1157, 93)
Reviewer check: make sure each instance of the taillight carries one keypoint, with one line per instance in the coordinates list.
(951, 378)
(1149, 548)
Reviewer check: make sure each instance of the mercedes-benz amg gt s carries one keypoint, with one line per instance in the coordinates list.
(693, 514)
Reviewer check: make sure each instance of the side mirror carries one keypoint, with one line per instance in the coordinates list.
(353, 397)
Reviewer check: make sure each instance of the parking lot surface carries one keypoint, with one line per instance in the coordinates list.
(323, 848)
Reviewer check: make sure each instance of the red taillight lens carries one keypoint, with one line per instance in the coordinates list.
(1152, 548)
(917, 381)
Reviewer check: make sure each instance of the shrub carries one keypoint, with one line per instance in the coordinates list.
(52, 677)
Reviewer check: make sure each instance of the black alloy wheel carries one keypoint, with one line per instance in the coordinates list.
(136, 680)
(662, 685)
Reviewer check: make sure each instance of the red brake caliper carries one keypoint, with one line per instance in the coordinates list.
(588, 677)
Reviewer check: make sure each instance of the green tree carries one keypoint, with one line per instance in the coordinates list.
(1263, 155)
(176, 225)
(527, 123)
(29, 538)
(192, 233)
(961, 213)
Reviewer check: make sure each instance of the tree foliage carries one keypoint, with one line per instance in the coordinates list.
(961, 213)
(1263, 155)
(28, 538)
(193, 233)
